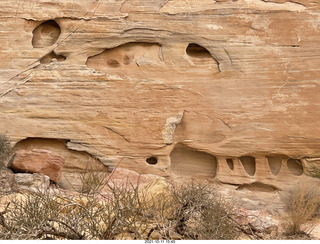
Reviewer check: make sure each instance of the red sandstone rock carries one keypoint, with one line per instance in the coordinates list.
(38, 161)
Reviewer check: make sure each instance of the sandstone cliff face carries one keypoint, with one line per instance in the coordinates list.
(224, 89)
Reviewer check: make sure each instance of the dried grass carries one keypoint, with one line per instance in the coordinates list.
(5, 149)
(302, 206)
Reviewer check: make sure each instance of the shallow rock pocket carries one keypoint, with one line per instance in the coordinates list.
(273, 171)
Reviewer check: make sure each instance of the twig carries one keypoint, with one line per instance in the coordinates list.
(240, 227)
(59, 234)
(79, 236)
(2, 219)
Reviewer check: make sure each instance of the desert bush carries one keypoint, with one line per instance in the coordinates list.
(193, 211)
(93, 181)
(28, 216)
(42, 215)
(202, 214)
(302, 205)
(5, 149)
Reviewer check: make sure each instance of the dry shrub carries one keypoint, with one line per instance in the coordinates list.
(302, 205)
(43, 215)
(193, 211)
(5, 149)
(93, 180)
(32, 216)
(6, 176)
(131, 212)
(201, 214)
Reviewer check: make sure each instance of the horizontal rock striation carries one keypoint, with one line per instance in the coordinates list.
(236, 83)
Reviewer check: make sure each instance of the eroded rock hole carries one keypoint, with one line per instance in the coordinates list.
(196, 51)
(127, 60)
(113, 63)
(152, 160)
(46, 34)
(133, 54)
(51, 56)
(274, 164)
(75, 161)
(249, 164)
(187, 161)
(295, 166)
(230, 163)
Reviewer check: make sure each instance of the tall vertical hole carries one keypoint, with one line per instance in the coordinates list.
(274, 164)
(249, 164)
(230, 163)
(295, 166)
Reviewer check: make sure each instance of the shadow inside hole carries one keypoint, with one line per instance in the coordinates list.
(274, 164)
(188, 161)
(196, 51)
(295, 166)
(230, 163)
(152, 160)
(51, 56)
(46, 34)
(249, 164)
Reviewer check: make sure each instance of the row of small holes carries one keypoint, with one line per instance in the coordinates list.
(294, 165)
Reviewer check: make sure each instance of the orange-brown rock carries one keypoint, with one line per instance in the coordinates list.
(118, 177)
(127, 178)
(38, 161)
(223, 89)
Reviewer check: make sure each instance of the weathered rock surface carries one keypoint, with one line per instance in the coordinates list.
(118, 177)
(127, 178)
(37, 161)
(36, 182)
(7, 181)
(71, 181)
(150, 85)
